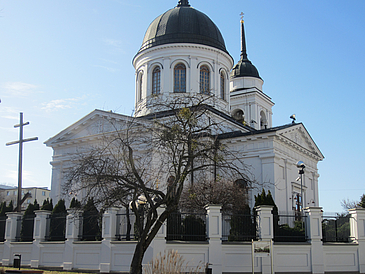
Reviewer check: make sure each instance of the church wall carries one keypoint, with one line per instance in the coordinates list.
(193, 57)
(273, 167)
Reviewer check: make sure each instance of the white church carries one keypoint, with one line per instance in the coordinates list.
(183, 54)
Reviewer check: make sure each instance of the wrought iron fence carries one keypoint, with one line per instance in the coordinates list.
(26, 224)
(126, 227)
(336, 228)
(186, 227)
(90, 226)
(238, 227)
(289, 228)
(56, 227)
(2, 228)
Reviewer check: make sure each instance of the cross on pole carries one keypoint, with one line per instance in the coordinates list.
(20, 142)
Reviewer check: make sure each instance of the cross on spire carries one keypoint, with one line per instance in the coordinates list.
(20, 142)
(183, 3)
(243, 39)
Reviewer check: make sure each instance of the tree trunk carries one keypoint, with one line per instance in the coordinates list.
(136, 265)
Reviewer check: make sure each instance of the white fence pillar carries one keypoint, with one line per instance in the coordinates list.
(314, 235)
(109, 230)
(13, 223)
(214, 232)
(12, 232)
(265, 230)
(39, 234)
(73, 223)
(159, 242)
(265, 222)
(357, 233)
(40, 224)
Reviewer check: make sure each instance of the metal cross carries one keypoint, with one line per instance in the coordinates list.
(20, 142)
(241, 16)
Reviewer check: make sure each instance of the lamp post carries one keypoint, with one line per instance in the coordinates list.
(301, 167)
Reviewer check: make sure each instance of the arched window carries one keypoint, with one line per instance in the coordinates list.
(180, 78)
(222, 86)
(263, 120)
(140, 79)
(204, 80)
(156, 80)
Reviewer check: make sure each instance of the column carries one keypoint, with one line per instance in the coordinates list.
(265, 222)
(73, 223)
(265, 230)
(357, 233)
(214, 233)
(12, 232)
(39, 234)
(314, 235)
(109, 230)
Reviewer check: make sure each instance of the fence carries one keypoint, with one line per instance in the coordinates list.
(224, 254)
(2, 228)
(336, 228)
(238, 227)
(186, 227)
(26, 225)
(289, 228)
(90, 228)
(125, 226)
(56, 227)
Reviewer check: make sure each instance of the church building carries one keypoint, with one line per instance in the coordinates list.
(183, 53)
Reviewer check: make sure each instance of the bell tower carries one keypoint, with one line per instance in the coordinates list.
(249, 104)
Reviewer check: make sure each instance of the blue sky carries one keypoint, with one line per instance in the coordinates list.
(59, 60)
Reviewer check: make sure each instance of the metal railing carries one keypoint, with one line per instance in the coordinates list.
(26, 224)
(186, 227)
(238, 227)
(289, 228)
(125, 227)
(336, 228)
(90, 226)
(56, 227)
(2, 228)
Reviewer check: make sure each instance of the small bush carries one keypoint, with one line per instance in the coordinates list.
(171, 263)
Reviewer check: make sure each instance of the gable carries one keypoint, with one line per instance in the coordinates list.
(297, 135)
(93, 124)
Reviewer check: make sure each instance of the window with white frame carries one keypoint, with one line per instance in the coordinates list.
(180, 78)
(156, 81)
(204, 80)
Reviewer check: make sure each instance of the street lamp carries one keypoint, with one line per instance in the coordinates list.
(301, 167)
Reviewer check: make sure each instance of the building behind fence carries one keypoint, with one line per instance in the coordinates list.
(309, 243)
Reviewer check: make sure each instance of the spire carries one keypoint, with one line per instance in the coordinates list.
(183, 3)
(243, 40)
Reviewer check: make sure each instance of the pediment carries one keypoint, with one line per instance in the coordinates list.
(95, 123)
(297, 135)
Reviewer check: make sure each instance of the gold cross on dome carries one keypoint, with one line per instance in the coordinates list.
(241, 14)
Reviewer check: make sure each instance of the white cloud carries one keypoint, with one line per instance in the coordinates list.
(113, 42)
(58, 104)
(18, 89)
(107, 68)
(9, 113)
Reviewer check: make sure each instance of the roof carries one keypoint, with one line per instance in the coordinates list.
(183, 24)
(244, 67)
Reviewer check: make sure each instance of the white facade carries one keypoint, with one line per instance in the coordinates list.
(243, 108)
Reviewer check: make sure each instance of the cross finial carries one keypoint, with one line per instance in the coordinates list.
(242, 14)
(183, 3)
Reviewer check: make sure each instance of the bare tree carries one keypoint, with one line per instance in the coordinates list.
(146, 162)
(232, 196)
